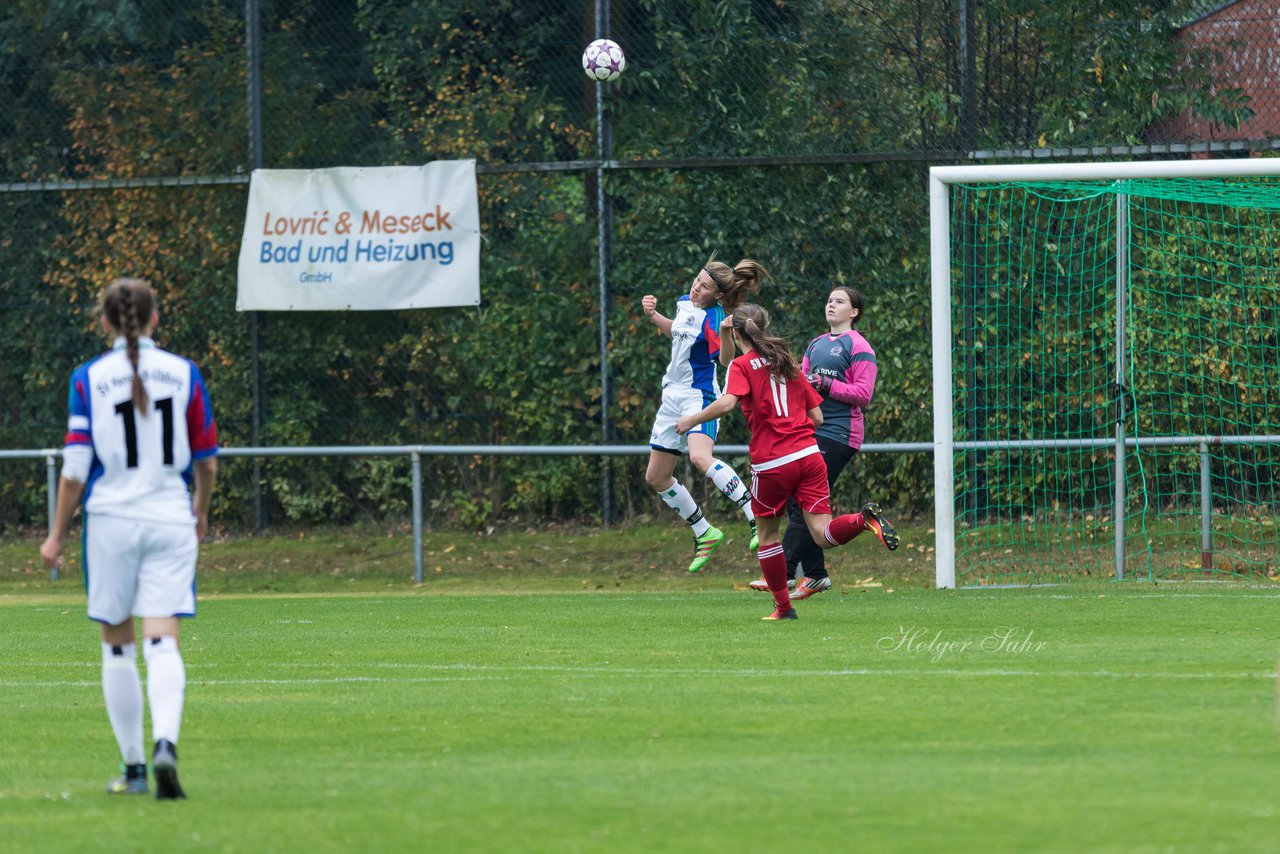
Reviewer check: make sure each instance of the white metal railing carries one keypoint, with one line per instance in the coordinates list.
(415, 453)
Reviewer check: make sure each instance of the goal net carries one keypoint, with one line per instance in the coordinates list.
(1106, 370)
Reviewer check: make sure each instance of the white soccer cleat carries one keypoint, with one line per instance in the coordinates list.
(763, 586)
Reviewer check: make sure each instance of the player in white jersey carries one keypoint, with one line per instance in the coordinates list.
(140, 427)
(690, 384)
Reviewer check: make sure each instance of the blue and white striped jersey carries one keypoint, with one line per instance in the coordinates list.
(695, 345)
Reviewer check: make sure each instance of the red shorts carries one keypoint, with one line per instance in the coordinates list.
(804, 479)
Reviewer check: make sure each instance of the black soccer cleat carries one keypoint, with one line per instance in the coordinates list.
(873, 517)
(164, 763)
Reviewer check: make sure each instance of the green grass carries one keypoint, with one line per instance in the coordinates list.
(641, 557)
(579, 707)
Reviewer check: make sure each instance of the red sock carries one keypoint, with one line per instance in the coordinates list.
(773, 563)
(842, 529)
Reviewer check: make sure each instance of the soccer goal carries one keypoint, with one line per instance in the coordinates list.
(1106, 370)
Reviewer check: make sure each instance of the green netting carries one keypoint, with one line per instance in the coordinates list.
(1034, 371)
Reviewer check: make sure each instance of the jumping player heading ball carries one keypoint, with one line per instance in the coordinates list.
(689, 384)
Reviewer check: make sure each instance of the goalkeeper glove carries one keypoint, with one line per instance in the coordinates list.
(821, 383)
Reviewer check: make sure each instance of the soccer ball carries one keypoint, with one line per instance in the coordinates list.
(603, 60)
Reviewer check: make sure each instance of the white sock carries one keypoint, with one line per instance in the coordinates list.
(166, 684)
(122, 690)
(727, 481)
(678, 499)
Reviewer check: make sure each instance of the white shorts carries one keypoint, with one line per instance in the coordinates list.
(677, 401)
(137, 570)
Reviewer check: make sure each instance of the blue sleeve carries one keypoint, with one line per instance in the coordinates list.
(202, 432)
(711, 329)
(79, 429)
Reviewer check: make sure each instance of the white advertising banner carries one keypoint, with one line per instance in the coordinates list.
(361, 239)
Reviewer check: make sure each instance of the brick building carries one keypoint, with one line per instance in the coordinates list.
(1246, 36)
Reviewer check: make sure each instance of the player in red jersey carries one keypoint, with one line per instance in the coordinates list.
(841, 366)
(782, 410)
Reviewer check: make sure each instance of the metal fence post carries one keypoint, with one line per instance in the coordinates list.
(1206, 510)
(416, 457)
(51, 481)
(257, 160)
(604, 149)
(1122, 291)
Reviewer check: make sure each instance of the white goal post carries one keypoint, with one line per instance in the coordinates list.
(943, 280)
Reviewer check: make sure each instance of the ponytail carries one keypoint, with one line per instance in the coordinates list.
(736, 283)
(751, 322)
(127, 304)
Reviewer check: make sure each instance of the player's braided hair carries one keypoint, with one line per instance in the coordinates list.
(751, 322)
(735, 283)
(127, 304)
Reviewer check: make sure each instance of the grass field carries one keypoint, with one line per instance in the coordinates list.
(585, 710)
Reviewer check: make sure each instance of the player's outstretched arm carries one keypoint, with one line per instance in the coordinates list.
(650, 305)
(722, 406)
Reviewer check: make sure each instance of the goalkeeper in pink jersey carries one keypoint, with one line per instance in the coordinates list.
(841, 366)
(782, 409)
(689, 384)
(139, 432)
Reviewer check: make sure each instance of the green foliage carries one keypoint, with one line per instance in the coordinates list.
(143, 88)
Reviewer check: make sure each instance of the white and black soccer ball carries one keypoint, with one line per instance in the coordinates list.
(603, 60)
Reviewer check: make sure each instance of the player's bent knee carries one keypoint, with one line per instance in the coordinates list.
(701, 462)
(659, 481)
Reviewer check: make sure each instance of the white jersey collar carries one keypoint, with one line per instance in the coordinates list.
(143, 341)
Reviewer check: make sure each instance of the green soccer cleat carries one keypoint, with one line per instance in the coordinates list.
(703, 547)
(134, 781)
(755, 537)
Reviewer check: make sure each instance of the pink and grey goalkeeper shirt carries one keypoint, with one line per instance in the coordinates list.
(849, 361)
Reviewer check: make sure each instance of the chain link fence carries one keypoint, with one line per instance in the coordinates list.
(795, 133)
